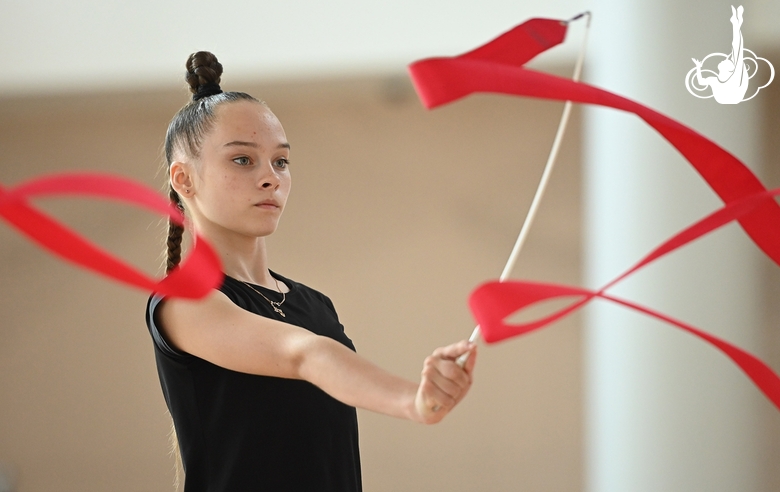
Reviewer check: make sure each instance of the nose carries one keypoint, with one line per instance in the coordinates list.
(268, 177)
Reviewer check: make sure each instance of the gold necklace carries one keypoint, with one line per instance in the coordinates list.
(274, 304)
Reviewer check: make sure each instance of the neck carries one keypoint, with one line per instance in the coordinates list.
(243, 258)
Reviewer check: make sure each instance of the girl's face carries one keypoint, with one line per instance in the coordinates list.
(239, 184)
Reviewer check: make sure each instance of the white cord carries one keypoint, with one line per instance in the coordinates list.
(529, 218)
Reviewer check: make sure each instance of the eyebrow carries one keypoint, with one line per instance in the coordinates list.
(239, 143)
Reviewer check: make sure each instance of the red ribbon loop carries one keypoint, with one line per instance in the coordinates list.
(196, 277)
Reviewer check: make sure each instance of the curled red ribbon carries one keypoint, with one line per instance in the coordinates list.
(497, 67)
(194, 278)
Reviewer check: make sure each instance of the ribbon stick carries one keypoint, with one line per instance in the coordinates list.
(197, 276)
(556, 35)
(443, 80)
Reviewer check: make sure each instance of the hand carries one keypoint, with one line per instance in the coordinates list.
(697, 62)
(444, 384)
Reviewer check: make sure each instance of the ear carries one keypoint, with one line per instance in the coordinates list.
(181, 178)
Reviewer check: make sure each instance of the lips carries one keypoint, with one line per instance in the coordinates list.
(270, 204)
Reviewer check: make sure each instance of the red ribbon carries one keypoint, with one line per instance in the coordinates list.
(197, 276)
(497, 67)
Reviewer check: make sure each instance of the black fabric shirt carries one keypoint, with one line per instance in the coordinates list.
(242, 432)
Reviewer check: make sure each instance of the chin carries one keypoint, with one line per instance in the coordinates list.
(263, 231)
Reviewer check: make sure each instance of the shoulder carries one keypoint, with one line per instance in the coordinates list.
(305, 291)
(165, 314)
(154, 325)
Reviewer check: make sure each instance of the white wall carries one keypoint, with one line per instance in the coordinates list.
(58, 45)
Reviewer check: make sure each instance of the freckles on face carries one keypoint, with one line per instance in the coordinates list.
(243, 169)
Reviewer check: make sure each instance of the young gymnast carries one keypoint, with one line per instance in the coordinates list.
(259, 376)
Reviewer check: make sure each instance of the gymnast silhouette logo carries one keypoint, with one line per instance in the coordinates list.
(730, 84)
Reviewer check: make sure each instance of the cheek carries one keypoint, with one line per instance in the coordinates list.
(222, 192)
(232, 186)
(287, 186)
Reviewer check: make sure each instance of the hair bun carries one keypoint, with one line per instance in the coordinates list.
(203, 74)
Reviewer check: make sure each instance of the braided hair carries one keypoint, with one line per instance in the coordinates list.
(188, 127)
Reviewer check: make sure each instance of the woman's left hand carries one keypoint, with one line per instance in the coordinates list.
(444, 383)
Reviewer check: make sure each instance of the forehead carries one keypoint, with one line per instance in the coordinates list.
(247, 121)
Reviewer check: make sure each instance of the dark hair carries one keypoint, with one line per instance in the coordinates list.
(188, 127)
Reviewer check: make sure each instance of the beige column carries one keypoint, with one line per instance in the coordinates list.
(664, 411)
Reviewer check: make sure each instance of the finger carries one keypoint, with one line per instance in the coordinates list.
(434, 397)
(470, 362)
(466, 371)
(449, 378)
(453, 387)
(431, 402)
(450, 370)
(453, 351)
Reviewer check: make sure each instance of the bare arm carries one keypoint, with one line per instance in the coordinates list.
(217, 330)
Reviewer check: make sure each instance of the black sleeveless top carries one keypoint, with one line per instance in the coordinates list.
(242, 432)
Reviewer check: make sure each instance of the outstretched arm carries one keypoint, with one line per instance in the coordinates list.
(220, 332)
(355, 381)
